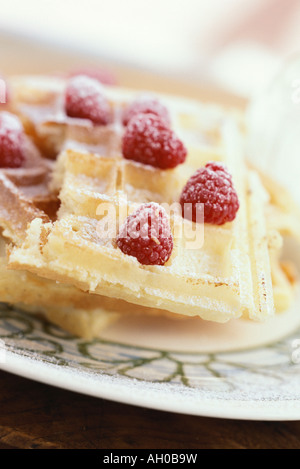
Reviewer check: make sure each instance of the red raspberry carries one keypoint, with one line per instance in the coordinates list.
(149, 140)
(84, 99)
(146, 235)
(11, 141)
(103, 76)
(211, 186)
(145, 105)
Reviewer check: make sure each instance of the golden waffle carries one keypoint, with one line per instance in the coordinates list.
(39, 103)
(284, 275)
(283, 213)
(25, 193)
(72, 310)
(36, 100)
(25, 196)
(229, 277)
(66, 306)
(63, 305)
(88, 180)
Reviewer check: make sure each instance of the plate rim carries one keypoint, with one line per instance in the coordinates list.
(116, 390)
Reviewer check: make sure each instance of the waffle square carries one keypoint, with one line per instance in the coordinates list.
(64, 305)
(228, 277)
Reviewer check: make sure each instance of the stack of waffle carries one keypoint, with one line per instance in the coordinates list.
(59, 256)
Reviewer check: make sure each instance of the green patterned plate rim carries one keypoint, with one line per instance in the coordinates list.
(260, 383)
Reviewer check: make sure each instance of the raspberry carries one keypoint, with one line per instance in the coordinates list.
(103, 76)
(146, 235)
(84, 99)
(11, 141)
(211, 186)
(149, 140)
(145, 105)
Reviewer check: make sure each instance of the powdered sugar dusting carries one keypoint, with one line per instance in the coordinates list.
(146, 235)
(10, 123)
(149, 140)
(258, 384)
(146, 103)
(85, 98)
(211, 186)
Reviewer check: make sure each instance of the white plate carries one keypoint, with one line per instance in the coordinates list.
(182, 370)
(238, 370)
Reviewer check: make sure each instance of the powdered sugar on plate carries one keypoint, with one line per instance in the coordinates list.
(259, 383)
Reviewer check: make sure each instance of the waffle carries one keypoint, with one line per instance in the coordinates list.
(283, 213)
(25, 196)
(63, 305)
(38, 102)
(229, 277)
(236, 273)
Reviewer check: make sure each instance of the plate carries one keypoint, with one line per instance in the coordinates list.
(238, 370)
(190, 367)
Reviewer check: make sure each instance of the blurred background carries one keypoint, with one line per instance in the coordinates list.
(233, 44)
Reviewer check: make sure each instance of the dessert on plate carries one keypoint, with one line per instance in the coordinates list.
(145, 205)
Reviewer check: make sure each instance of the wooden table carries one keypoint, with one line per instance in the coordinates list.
(34, 415)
